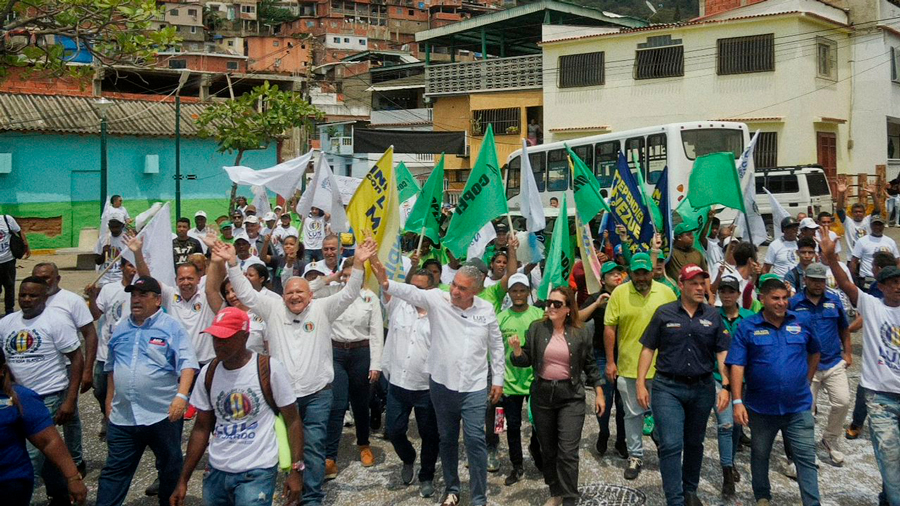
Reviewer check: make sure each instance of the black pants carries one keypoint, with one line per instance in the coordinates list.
(8, 285)
(558, 413)
(512, 407)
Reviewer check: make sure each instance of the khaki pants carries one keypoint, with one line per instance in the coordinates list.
(837, 386)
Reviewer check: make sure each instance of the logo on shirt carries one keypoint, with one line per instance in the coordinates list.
(828, 305)
(197, 307)
(157, 341)
(705, 322)
(793, 329)
(673, 325)
(23, 342)
(760, 332)
(367, 299)
(176, 298)
(890, 352)
(237, 404)
(792, 256)
(309, 327)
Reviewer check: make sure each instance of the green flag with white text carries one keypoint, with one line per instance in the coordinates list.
(483, 199)
(426, 212)
(559, 259)
(407, 186)
(588, 201)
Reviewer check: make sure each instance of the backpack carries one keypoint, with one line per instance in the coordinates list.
(262, 373)
(16, 244)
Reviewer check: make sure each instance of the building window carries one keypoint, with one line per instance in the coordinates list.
(659, 62)
(231, 65)
(412, 12)
(192, 12)
(337, 40)
(504, 121)
(826, 59)
(766, 154)
(248, 9)
(744, 55)
(193, 29)
(578, 70)
(230, 43)
(177, 64)
(173, 12)
(275, 43)
(362, 42)
(895, 65)
(346, 40)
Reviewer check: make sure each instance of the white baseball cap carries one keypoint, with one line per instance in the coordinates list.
(200, 213)
(519, 278)
(314, 267)
(808, 223)
(270, 216)
(252, 219)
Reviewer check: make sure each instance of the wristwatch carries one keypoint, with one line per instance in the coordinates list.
(727, 387)
(298, 466)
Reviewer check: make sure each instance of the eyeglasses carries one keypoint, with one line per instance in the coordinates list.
(555, 304)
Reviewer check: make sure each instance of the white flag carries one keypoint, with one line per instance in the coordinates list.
(751, 220)
(157, 236)
(529, 198)
(778, 213)
(282, 179)
(261, 200)
(481, 240)
(323, 193)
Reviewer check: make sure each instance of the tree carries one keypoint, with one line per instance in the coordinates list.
(111, 31)
(271, 14)
(253, 120)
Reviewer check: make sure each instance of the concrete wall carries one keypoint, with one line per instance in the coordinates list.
(278, 54)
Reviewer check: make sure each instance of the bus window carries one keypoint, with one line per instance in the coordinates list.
(634, 150)
(705, 141)
(656, 157)
(537, 167)
(513, 171)
(586, 153)
(607, 154)
(557, 170)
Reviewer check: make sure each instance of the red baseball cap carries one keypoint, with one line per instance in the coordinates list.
(691, 271)
(228, 322)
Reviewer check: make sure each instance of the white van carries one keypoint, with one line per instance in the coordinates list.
(798, 188)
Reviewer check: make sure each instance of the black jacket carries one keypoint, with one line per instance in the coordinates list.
(581, 354)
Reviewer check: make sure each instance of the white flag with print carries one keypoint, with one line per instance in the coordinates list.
(323, 193)
(751, 220)
(481, 240)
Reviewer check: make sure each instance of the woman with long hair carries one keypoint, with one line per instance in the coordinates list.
(224, 295)
(559, 349)
(23, 416)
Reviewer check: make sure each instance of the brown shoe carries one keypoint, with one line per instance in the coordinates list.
(331, 470)
(366, 457)
(852, 432)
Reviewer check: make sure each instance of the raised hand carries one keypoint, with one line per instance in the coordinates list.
(92, 291)
(366, 250)
(135, 243)
(513, 241)
(826, 243)
(210, 238)
(841, 186)
(223, 252)
(871, 190)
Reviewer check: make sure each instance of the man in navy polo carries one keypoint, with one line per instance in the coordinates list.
(776, 353)
(824, 313)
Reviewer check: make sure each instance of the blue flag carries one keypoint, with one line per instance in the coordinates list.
(661, 197)
(628, 208)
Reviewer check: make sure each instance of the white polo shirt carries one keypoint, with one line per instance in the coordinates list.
(194, 315)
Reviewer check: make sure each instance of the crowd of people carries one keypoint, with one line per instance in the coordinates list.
(271, 341)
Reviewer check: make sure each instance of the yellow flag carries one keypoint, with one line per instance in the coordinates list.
(375, 209)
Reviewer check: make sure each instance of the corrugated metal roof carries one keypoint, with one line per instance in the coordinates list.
(66, 114)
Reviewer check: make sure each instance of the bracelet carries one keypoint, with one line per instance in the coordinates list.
(182, 396)
(77, 477)
(736, 402)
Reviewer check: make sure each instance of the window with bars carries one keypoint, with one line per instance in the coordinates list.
(766, 154)
(659, 62)
(744, 55)
(826, 58)
(577, 70)
(504, 121)
(895, 65)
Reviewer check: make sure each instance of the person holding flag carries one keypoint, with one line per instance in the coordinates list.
(425, 217)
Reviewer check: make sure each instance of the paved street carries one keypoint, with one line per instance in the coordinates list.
(855, 484)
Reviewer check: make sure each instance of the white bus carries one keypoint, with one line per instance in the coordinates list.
(675, 145)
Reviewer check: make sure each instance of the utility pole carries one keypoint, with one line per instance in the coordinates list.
(103, 106)
(181, 80)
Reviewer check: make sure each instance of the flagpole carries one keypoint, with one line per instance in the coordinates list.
(119, 256)
(749, 233)
(421, 238)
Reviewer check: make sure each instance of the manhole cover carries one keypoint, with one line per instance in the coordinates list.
(610, 495)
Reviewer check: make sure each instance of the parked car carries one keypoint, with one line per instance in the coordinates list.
(798, 188)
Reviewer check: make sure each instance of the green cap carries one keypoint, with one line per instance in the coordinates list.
(767, 277)
(226, 224)
(641, 261)
(684, 227)
(610, 266)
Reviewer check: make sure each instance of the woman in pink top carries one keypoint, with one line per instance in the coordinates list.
(559, 349)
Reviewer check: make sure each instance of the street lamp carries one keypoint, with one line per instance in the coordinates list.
(103, 106)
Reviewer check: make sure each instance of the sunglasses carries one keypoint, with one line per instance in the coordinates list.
(555, 304)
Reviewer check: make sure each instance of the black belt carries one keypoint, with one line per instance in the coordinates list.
(689, 380)
(352, 345)
(556, 382)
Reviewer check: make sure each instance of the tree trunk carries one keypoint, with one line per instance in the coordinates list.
(237, 161)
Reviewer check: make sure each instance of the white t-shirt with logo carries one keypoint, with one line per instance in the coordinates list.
(195, 316)
(853, 231)
(782, 256)
(881, 344)
(281, 232)
(116, 246)
(113, 302)
(36, 349)
(5, 253)
(313, 232)
(244, 435)
(73, 305)
(257, 339)
(865, 250)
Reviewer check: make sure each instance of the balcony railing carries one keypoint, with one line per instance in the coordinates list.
(516, 73)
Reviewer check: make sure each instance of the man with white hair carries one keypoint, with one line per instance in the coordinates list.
(463, 329)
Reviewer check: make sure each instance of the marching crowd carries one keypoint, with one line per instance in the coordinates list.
(271, 335)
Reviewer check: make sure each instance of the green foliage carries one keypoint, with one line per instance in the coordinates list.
(668, 11)
(112, 31)
(255, 119)
(271, 14)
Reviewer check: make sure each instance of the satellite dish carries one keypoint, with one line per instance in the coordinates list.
(650, 5)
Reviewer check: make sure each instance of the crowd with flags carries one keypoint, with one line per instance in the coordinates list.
(362, 302)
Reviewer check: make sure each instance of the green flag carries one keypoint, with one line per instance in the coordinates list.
(714, 180)
(588, 201)
(559, 259)
(407, 186)
(483, 199)
(426, 212)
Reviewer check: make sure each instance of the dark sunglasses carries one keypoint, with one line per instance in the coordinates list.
(555, 304)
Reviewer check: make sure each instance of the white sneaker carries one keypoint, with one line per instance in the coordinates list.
(790, 470)
(837, 458)
(348, 419)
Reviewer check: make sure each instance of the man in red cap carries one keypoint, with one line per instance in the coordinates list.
(237, 402)
(690, 341)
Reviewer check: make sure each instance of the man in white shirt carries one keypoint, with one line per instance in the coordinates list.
(199, 231)
(117, 210)
(866, 247)
(243, 454)
(464, 330)
(108, 249)
(856, 224)
(404, 366)
(299, 332)
(330, 259)
(243, 247)
(285, 229)
(826, 219)
(8, 226)
(237, 221)
(782, 253)
(739, 262)
(314, 233)
(37, 340)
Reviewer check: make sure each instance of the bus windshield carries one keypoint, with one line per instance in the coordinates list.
(705, 141)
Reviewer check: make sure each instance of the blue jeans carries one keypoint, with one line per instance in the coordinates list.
(126, 447)
(312, 255)
(350, 386)
(253, 488)
(53, 478)
(400, 402)
(451, 407)
(884, 427)
(72, 430)
(681, 411)
(799, 429)
(728, 432)
(314, 411)
(611, 395)
(100, 385)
